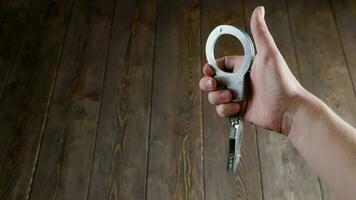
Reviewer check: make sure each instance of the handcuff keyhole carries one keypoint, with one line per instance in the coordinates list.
(228, 45)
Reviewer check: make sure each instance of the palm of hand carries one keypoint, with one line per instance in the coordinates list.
(272, 88)
(273, 92)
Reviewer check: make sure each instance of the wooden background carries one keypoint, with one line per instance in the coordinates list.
(100, 99)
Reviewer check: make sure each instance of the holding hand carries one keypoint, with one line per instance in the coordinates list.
(273, 93)
(276, 101)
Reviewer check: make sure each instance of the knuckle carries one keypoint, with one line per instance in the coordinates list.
(268, 58)
(203, 83)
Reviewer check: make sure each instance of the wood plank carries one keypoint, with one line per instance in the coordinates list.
(4, 10)
(175, 157)
(344, 17)
(26, 95)
(219, 183)
(13, 17)
(120, 163)
(285, 175)
(65, 159)
(344, 13)
(322, 64)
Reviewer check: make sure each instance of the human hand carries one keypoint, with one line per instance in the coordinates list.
(274, 92)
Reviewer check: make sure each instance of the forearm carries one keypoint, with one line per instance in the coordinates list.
(327, 143)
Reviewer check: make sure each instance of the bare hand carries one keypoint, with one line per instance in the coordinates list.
(274, 91)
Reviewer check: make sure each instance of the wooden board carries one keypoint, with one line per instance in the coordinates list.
(344, 13)
(219, 183)
(175, 154)
(5, 10)
(103, 102)
(120, 162)
(285, 175)
(12, 23)
(64, 166)
(24, 103)
(321, 60)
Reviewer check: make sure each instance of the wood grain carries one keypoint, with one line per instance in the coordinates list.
(65, 159)
(285, 175)
(13, 18)
(344, 13)
(24, 103)
(322, 64)
(120, 162)
(219, 183)
(103, 102)
(175, 160)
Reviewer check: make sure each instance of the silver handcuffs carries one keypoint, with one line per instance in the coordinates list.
(235, 82)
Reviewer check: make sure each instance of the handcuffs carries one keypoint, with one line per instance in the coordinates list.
(234, 81)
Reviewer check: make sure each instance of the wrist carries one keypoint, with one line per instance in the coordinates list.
(307, 109)
(303, 106)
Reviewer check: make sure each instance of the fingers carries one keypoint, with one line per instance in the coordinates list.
(226, 63)
(261, 35)
(230, 63)
(208, 71)
(219, 97)
(228, 110)
(207, 83)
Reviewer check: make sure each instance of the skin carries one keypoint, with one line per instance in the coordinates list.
(277, 101)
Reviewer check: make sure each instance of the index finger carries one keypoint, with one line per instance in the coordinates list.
(208, 70)
(230, 63)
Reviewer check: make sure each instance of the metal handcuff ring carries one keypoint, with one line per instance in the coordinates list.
(235, 81)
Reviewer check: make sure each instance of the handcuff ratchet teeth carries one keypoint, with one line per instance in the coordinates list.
(235, 82)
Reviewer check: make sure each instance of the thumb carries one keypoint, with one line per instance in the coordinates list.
(262, 37)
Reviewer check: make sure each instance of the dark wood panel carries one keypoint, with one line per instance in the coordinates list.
(64, 166)
(345, 17)
(285, 175)
(12, 23)
(176, 159)
(4, 10)
(321, 61)
(89, 98)
(23, 106)
(219, 183)
(119, 170)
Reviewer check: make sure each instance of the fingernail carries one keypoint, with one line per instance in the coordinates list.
(209, 84)
(262, 12)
